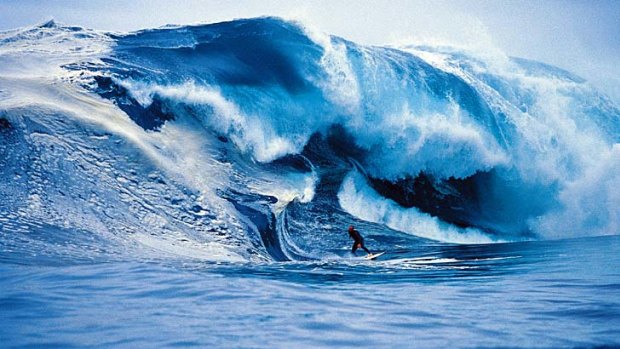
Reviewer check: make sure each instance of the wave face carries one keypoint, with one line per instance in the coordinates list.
(261, 139)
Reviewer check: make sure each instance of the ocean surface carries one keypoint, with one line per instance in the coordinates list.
(192, 186)
(555, 294)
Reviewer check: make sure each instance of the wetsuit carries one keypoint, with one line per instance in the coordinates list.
(358, 241)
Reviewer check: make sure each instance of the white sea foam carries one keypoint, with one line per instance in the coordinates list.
(38, 90)
(341, 86)
(357, 198)
(589, 204)
(557, 142)
(249, 132)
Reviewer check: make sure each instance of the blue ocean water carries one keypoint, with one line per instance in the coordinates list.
(191, 186)
(555, 294)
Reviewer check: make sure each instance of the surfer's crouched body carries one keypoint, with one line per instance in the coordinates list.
(358, 240)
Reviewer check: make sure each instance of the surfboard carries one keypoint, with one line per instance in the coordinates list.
(374, 255)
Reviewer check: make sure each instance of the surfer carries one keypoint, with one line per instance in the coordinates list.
(358, 240)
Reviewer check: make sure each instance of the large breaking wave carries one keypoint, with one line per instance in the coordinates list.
(262, 139)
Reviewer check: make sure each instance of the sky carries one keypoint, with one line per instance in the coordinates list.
(580, 36)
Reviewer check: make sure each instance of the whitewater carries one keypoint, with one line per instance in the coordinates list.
(191, 186)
